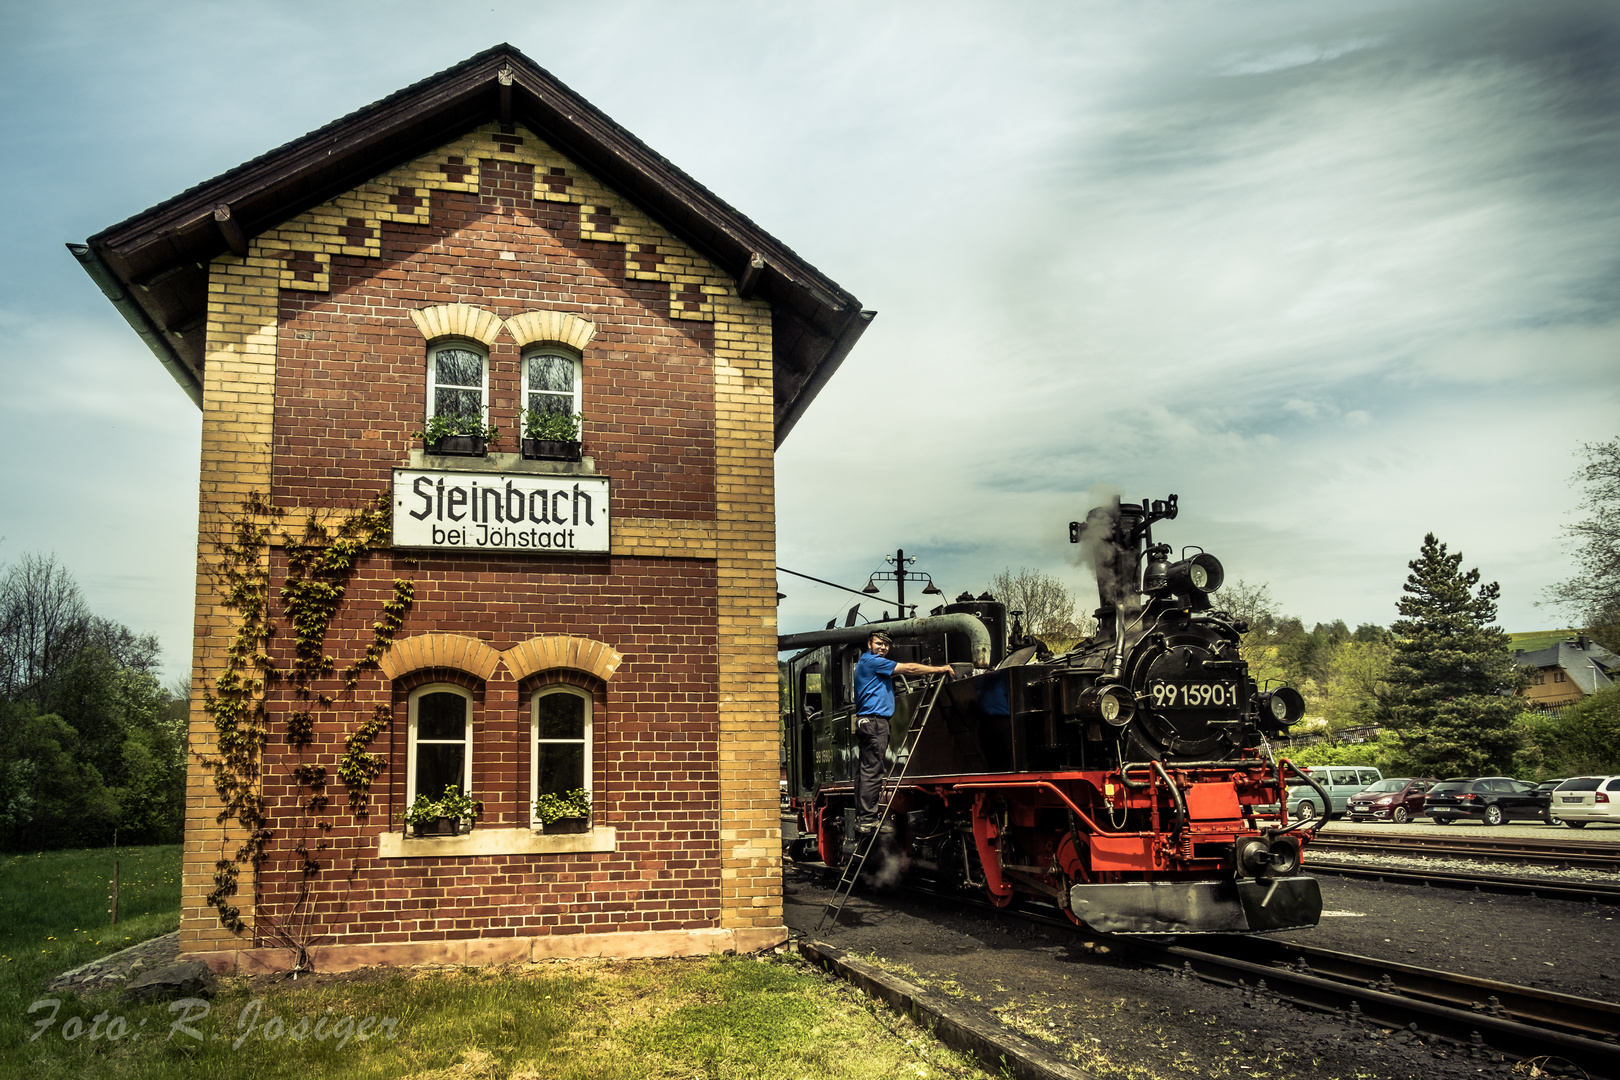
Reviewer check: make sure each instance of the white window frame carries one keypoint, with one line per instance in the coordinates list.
(566, 354)
(410, 745)
(465, 345)
(535, 740)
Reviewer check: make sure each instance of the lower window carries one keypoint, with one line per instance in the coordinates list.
(440, 752)
(560, 761)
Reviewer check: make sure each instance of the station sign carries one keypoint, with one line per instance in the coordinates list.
(523, 512)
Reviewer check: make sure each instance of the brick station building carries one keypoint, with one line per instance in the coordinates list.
(484, 241)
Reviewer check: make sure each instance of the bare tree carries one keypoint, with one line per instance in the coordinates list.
(43, 622)
(1046, 602)
(1594, 592)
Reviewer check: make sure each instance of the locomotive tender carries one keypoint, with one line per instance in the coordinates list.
(1128, 781)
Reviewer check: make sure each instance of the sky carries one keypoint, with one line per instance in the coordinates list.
(1337, 274)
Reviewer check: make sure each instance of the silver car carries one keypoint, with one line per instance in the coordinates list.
(1586, 799)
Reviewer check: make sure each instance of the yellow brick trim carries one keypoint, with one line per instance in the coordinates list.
(239, 374)
(554, 651)
(551, 326)
(745, 547)
(457, 651)
(457, 320)
(663, 538)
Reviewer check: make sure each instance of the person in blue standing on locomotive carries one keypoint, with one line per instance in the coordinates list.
(874, 706)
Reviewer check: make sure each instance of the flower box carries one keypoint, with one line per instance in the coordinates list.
(441, 827)
(460, 446)
(567, 825)
(551, 450)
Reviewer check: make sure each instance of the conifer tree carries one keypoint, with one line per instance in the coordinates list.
(1452, 671)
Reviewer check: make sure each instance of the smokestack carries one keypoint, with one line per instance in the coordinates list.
(1110, 544)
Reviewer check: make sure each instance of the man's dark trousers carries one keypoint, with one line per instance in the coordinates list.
(872, 732)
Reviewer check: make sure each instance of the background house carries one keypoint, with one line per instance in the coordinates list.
(1566, 672)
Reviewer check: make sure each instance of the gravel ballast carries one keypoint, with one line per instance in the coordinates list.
(1113, 1018)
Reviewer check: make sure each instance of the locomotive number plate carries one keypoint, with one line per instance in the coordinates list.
(1193, 695)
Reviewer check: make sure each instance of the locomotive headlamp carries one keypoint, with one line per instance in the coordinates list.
(1201, 573)
(1253, 856)
(1284, 856)
(1113, 704)
(1281, 706)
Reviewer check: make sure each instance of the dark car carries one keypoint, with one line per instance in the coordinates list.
(1489, 799)
(1397, 799)
(1544, 790)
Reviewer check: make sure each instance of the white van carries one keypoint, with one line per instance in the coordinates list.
(1340, 782)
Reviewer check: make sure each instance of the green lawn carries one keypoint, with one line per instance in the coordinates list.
(715, 1017)
(1531, 640)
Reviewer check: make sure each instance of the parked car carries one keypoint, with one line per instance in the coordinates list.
(1585, 799)
(1489, 799)
(1397, 799)
(1544, 790)
(1340, 782)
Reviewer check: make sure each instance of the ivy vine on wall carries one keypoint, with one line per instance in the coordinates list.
(320, 564)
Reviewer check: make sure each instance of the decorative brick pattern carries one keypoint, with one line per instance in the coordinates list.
(559, 327)
(595, 658)
(440, 651)
(457, 320)
(309, 270)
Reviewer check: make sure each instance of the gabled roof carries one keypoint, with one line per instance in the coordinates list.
(154, 266)
(1590, 666)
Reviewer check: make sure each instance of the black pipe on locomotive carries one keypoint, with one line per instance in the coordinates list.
(1129, 780)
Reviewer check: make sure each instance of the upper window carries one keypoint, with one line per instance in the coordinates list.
(458, 380)
(551, 378)
(560, 720)
(440, 750)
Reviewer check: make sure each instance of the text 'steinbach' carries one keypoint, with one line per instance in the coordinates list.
(496, 512)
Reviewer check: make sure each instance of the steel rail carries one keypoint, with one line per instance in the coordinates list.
(1588, 1018)
(1440, 1003)
(1542, 888)
(1574, 853)
(1519, 1020)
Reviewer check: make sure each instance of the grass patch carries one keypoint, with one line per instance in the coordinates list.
(1532, 640)
(53, 910)
(715, 1017)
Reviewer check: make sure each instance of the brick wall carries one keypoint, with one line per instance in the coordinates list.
(316, 324)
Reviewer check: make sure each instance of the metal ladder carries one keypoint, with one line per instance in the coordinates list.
(891, 787)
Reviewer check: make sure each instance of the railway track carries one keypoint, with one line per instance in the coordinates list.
(1470, 1012)
(1581, 892)
(1467, 1011)
(1518, 1020)
(1571, 854)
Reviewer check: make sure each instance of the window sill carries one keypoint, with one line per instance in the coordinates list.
(510, 464)
(391, 845)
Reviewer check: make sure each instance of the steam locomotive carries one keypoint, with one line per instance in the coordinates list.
(1129, 781)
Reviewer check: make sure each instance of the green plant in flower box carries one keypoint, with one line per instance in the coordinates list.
(452, 804)
(424, 811)
(459, 424)
(548, 426)
(549, 808)
(455, 804)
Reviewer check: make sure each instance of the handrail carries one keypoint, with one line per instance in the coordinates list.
(1047, 784)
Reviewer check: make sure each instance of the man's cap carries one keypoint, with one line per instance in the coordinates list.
(881, 636)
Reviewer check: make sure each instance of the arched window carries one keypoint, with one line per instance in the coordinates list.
(458, 380)
(551, 382)
(560, 718)
(440, 749)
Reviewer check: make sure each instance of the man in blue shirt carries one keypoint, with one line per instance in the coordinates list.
(874, 706)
